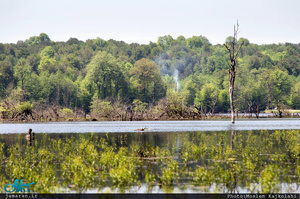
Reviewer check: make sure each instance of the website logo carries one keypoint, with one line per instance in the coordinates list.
(17, 187)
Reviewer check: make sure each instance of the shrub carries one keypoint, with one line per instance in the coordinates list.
(66, 112)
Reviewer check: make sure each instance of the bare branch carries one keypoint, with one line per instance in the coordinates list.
(226, 46)
(236, 30)
(229, 51)
(239, 49)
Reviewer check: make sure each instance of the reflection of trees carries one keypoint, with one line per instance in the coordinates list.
(232, 138)
(220, 161)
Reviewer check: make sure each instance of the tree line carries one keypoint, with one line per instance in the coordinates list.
(180, 78)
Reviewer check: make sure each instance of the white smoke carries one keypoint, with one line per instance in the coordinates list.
(176, 79)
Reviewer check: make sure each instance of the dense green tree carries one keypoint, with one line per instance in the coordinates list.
(72, 41)
(254, 62)
(197, 42)
(2, 52)
(291, 64)
(244, 40)
(33, 88)
(181, 40)
(206, 100)
(255, 97)
(295, 96)
(266, 62)
(48, 52)
(223, 102)
(48, 63)
(105, 73)
(2, 49)
(34, 61)
(165, 42)
(138, 51)
(43, 38)
(22, 72)
(75, 73)
(146, 79)
(23, 53)
(281, 84)
(6, 76)
(85, 56)
(277, 85)
(192, 85)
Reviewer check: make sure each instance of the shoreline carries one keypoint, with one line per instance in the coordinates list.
(220, 116)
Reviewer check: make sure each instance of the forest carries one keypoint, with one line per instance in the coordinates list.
(182, 78)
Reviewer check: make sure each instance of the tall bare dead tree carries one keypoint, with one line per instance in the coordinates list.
(233, 48)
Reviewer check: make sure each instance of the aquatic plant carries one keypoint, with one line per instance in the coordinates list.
(2, 162)
(169, 172)
(269, 179)
(204, 159)
(202, 176)
(150, 178)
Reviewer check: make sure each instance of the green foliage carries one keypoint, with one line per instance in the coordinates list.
(2, 159)
(176, 104)
(123, 171)
(22, 72)
(101, 108)
(196, 42)
(47, 63)
(47, 52)
(71, 73)
(269, 178)
(147, 80)
(6, 76)
(207, 98)
(139, 106)
(13, 110)
(169, 173)
(295, 96)
(223, 101)
(75, 169)
(66, 112)
(105, 74)
(246, 41)
(41, 39)
(202, 177)
(24, 107)
(165, 42)
(266, 158)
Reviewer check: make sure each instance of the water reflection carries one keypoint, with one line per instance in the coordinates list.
(198, 161)
(232, 138)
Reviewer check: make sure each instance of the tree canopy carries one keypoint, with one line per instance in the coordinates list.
(74, 74)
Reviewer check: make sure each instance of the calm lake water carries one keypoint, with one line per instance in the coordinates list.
(172, 135)
(152, 126)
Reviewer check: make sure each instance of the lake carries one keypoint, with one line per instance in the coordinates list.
(152, 126)
(169, 156)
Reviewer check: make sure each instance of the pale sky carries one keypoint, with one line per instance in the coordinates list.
(142, 21)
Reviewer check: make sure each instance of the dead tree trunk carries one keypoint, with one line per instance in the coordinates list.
(233, 49)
